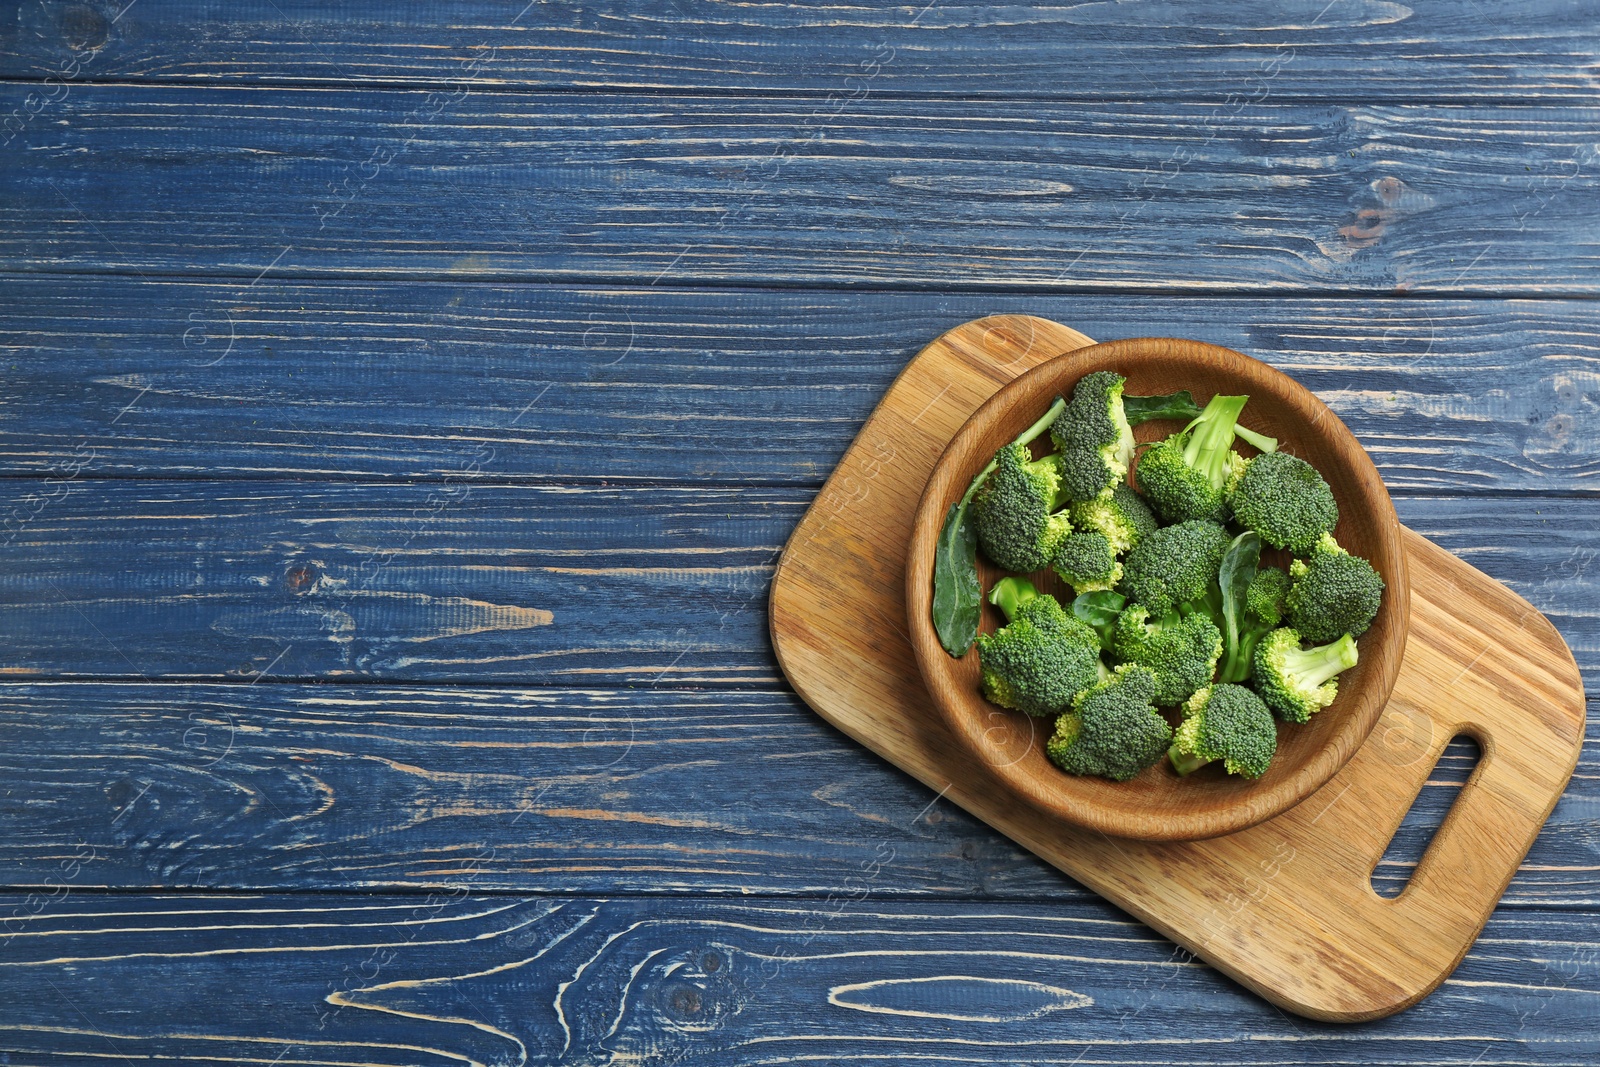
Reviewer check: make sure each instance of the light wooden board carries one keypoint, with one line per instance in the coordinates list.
(1287, 907)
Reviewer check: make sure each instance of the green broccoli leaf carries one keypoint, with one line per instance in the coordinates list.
(1178, 405)
(1100, 610)
(957, 594)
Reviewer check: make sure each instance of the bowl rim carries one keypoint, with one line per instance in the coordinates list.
(1360, 715)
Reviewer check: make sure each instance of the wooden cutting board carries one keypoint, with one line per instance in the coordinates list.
(1286, 907)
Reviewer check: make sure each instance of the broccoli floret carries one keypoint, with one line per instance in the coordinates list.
(1018, 599)
(1228, 723)
(1297, 683)
(1041, 658)
(1014, 513)
(1123, 517)
(1333, 593)
(1264, 599)
(1086, 562)
(1284, 499)
(1094, 437)
(1113, 730)
(1174, 564)
(1181, 650)
(1187, 476)
(1262, 612)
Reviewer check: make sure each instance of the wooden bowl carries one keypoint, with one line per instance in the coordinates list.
(1158, 805)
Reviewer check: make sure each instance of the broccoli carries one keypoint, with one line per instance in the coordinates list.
(1123, 517)
(1297, 683)
(1263, 600)
(1182, 651)
(1187, 475)
(1018, 599)
(1015, 514)
(1263, 611)
(1250, 602)
(1174, 564)
(1112, 730)
(1284, 499)
(1333, 593)
(1086, 562)
(1228, 723)
(1094, 437)
(1041, 658)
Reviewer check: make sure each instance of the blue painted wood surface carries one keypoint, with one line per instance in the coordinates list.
(924, 193)
(404, 406)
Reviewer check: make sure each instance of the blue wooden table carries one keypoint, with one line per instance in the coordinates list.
(405, 404)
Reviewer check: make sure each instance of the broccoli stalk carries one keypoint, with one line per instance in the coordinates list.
(1297, 683)
(1187, 475)
(1009, 594)
(1208, 446)
(1181, 405)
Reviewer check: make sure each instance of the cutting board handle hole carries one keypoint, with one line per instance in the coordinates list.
(1426, 814)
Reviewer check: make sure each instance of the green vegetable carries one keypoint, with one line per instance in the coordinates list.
(1099, 610)
(1228, 723)
(1014, 513)
(957, 594)
(1333, 593)
(1284, 499)
(1261, 613)
(1234, 575)
(1182, 650)
(1297, 683)
(1181, 405)
(1113, 730)
(1094, 437)
(1086, 562)
(1041, 658)
(1123, 517)
(1174, 564)
(1187, 475)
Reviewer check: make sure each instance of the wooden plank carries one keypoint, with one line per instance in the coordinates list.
(431, 583)
(425, 980)
(935, 194)
(281, 787)
(1370, 50)
(505, 583)
(113, 375)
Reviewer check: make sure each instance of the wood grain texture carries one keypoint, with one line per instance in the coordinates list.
(1367, 50)
(277, 581)
(1285, 907)
(418, 980)
(641, 791)
(482, 382)
(929, 194)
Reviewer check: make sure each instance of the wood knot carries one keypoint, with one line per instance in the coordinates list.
(684, 1003)
(302, 577)
(83, 28)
